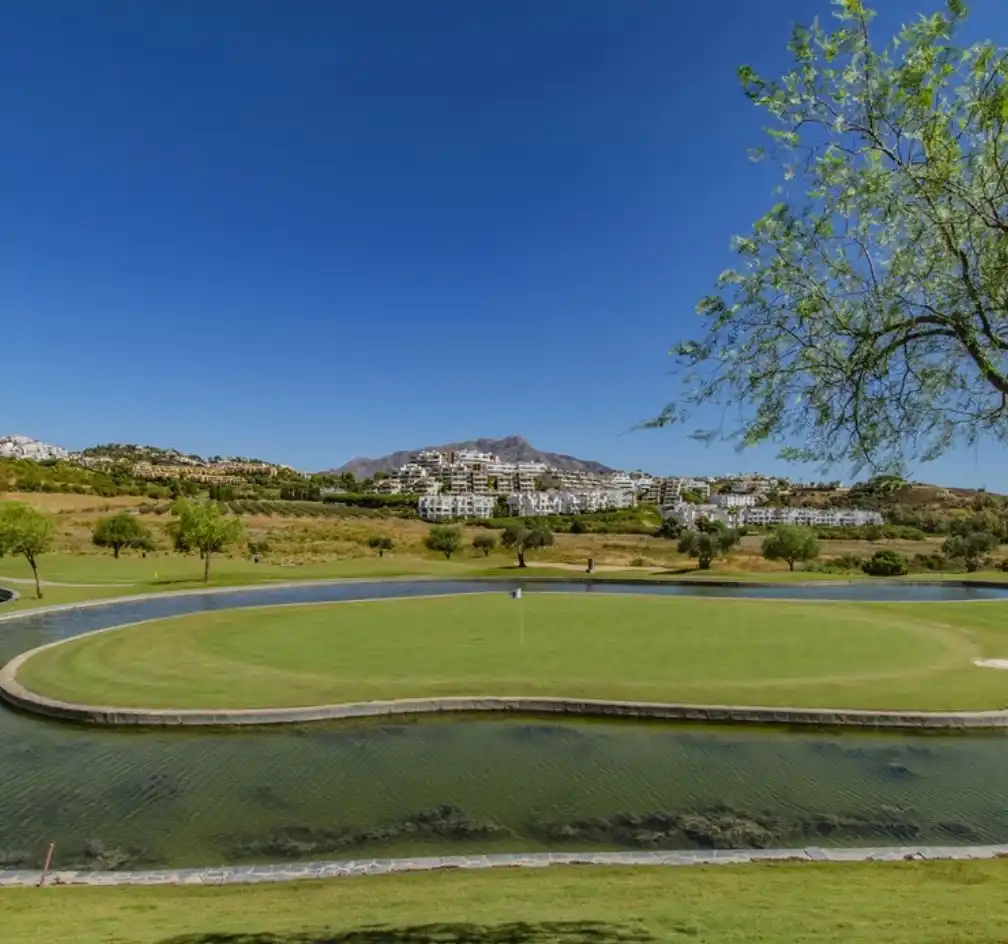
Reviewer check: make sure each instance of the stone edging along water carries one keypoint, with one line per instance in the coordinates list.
(16, 695)
(259, 874)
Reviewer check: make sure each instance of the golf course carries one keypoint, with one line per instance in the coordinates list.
(898, 656)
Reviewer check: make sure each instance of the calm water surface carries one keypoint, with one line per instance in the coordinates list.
(134, 798)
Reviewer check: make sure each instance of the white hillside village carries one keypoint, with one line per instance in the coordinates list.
(469, 484)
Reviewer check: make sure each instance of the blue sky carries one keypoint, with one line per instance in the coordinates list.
(313, 230)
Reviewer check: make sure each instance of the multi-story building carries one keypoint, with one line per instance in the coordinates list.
(821, 517)
(527, 504)
(530, 503)
(734, 500)
(669, 491)
(441, 507)
(688, 514)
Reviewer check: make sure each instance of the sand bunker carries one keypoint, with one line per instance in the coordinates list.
(991, 663)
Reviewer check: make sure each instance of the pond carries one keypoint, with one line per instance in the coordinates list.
(122, 799)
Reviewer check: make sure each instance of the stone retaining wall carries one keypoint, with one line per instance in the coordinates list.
(256, 874)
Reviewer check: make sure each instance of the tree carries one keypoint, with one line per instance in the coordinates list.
(669, 528)
(122, 530)
(706, 545)
(381, 543)
(444, 539)
(886, 564)
(202, 527)
(485, 543)
(711, 525)
(970, 548)
(27, 532)
(522, 538)
(791, 543)
(867, 317)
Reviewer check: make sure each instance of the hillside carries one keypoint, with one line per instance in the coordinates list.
(510, 448)
(24, 447)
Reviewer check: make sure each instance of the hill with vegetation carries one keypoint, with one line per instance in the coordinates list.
(510, 449)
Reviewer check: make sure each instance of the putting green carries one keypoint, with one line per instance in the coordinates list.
(843, 655)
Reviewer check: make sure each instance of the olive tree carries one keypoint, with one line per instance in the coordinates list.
(866, 317)
(27, 532)
(381, 543)
(484, 542)
(122, 530)
(707, 545)
(970, 548)
(791, 543)
(522, 538)
(445, 539)
(201, 526)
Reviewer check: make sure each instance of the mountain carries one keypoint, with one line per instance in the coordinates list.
(24, 447)
(511, 449)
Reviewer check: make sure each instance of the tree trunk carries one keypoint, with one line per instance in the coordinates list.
(115, 551)
(38, 585)
(521, 557)
(705, 563)
(790, 565)
(381, 552)
(206, 567)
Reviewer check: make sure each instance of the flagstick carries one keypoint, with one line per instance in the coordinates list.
(521, 624)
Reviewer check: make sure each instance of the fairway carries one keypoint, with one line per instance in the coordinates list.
(612, 646)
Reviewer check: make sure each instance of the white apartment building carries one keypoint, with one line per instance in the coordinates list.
(669, 491)
(689, 514)
(734, 500)
(442, 507)
(823, 517)
(528, 504)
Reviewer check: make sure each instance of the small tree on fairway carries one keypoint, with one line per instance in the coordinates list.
(970, 548)
(381, 543)
(705, 546)
(25, 531)
(122, 530)
(485, 543)
(522, 538)
(444, 539)
(791, 543)
(202, 527)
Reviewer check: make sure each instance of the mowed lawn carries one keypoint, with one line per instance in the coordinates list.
(899, 903)
(580, 645)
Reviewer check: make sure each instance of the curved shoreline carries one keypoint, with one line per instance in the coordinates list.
(346, 868)
(16, 695)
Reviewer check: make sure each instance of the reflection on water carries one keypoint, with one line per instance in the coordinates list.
(118, 799)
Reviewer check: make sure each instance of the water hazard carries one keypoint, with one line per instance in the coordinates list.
(129, 799)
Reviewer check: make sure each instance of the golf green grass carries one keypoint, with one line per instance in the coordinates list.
(863, 903)
(704, 651)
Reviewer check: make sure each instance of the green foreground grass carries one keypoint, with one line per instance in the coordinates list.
(899, 903)
(707, 651)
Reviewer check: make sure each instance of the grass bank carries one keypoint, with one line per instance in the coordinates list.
(705, 651)
(900, 903)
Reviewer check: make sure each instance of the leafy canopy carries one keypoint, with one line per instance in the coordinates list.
(791, 543)
(970, 547)
(445, 539)
(27, 532)
(523, 538)
(866, 318)
(201, 526)
(485, 543)
(122, 530)
(707, 545)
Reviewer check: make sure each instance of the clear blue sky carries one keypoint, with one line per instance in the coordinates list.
(310, 230)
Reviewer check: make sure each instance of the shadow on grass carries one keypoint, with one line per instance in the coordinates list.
(516, 932)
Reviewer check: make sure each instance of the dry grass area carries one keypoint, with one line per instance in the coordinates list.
(296, 540)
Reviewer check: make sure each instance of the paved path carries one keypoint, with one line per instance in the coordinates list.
(256, 874)
(57, 583)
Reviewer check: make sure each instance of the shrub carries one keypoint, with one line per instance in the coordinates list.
(485, 543)
(886, 564)
(381, 543)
